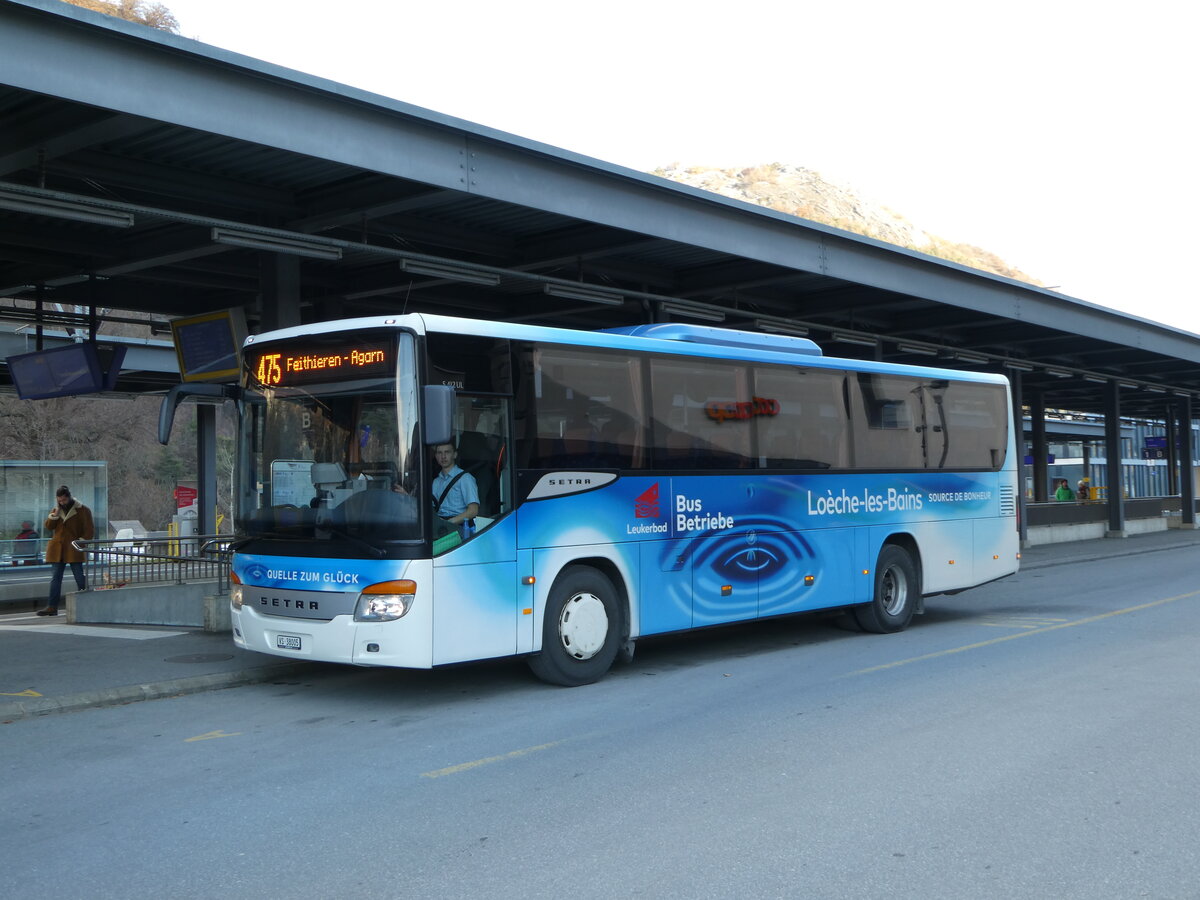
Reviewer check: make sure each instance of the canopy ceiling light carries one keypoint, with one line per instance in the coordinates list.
(775, 327)
(1017, 366)
(970, 358)
(586, 294)
(860, 339)
(295, 246)
(1058, 373)
(693, 312)
(1095, 379)
(918, 349)
(454, 273)
(63, 209)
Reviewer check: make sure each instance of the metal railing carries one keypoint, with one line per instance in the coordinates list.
(173, 560)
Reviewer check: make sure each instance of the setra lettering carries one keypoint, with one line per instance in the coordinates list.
(288, 603)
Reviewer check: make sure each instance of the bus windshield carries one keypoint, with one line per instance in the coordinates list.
(334, 459)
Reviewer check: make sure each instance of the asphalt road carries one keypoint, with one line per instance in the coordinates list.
(1033, 738)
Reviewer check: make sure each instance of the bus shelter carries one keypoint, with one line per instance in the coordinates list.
(197, 181)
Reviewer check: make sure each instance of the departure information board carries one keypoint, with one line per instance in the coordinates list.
(296, 364)
(207, 345)
(69, 371)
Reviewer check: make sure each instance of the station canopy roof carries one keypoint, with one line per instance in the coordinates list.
(147, 175)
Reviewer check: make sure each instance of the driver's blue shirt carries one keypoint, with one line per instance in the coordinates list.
(463, 494)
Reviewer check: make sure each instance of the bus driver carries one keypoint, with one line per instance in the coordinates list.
(455, 493)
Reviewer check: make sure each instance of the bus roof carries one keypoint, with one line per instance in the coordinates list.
(671, 338)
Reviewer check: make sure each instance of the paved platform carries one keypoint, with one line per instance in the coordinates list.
(48, 666)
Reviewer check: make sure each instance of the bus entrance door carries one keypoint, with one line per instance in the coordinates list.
(475, 597)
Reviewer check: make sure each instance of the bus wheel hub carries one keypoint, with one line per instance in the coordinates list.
(583, 625)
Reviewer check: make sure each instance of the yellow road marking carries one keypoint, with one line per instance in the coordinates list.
(1021, 634)
(30, 692)
(210, 736)
(462, 767)
(1019, 622)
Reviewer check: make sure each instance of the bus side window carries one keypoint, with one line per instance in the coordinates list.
(619, 441)
(976, 417)
(483, 451)
(804, 427)
(885, 417)
(694, 416)
(580, 408)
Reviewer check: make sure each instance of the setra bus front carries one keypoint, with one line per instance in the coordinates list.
(334, 539)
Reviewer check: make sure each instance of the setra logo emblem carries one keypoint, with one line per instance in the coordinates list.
(646, 505)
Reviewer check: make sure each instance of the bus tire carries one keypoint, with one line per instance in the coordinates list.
(581, 631)
(897, 592)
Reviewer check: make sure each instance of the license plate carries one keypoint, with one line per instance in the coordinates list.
(287, 642)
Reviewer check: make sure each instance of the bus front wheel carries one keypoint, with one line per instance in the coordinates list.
(897, 589)
(581, 631)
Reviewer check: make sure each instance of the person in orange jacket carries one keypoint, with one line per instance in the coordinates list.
(69, 521)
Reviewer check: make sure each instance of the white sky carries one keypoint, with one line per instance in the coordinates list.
(1059, 135)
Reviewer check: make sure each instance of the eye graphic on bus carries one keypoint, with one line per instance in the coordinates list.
(763, 567)
(759, 556)
(754, 560)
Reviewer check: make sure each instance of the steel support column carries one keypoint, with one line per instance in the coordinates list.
(279, 283)
(206, 468)
(1187, 474)
(1173, 414)
(1112, 445)
(1037, 426)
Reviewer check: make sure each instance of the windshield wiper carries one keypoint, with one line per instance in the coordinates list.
(259, 536)
(379, 552)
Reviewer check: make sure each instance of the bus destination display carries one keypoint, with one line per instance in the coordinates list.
(305, 365)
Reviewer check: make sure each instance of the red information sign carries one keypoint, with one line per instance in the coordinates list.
(185, 496)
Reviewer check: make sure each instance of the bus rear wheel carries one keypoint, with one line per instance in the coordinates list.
(897, 590)
(581, 630)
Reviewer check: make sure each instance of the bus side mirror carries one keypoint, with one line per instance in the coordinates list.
(439, 414)
(177, 394)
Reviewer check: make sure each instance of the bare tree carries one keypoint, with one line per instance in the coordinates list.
(156, 15)
(142, 474)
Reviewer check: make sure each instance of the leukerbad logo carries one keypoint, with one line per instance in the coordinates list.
(645, 506)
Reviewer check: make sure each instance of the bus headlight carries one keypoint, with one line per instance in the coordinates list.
(235, 591)
(386, 601)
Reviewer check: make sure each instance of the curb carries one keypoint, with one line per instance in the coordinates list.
(1098, 554)
(44, 706)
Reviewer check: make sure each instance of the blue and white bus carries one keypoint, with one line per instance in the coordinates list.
(631, 482)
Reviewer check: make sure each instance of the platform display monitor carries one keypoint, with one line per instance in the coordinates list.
(209, 346)
(82, 368)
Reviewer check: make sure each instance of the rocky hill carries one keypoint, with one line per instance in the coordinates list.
(805, 193)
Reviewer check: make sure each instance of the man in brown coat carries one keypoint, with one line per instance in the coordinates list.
(69, 521)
